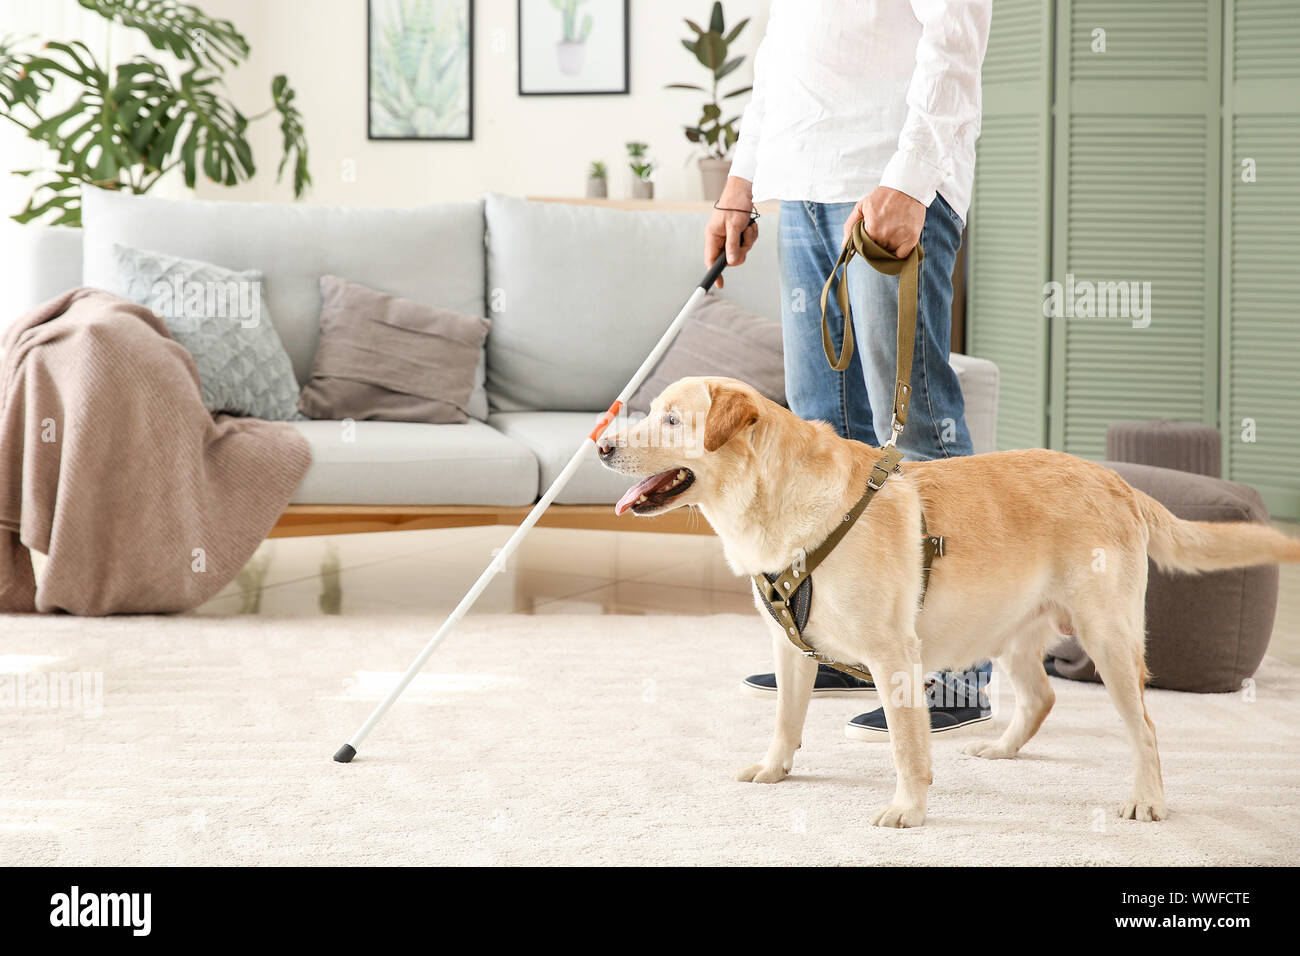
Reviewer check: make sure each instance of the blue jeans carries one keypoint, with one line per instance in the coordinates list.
(859, 401)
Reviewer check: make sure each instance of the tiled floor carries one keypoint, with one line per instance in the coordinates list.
(554, 571)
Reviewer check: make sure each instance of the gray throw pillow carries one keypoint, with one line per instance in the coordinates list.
(221, 319)
(390, 359)
(720, 338)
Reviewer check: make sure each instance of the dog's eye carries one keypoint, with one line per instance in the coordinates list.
(672, 419)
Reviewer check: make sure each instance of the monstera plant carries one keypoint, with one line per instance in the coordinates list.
(125, 125)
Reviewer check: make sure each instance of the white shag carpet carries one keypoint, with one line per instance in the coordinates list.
(576, 740)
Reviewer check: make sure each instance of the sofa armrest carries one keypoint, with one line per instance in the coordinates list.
(979, 387)
(40, 262)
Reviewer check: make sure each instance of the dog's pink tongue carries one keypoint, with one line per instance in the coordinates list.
(636, 491)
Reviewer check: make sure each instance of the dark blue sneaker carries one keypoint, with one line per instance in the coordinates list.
(952, 713)
(829, 683)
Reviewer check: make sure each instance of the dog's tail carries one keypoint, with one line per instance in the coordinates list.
(1194, 546)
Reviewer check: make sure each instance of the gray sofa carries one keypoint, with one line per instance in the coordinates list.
(577, 295)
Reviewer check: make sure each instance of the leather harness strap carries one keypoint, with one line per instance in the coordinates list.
(788, 593)
(779, 592)
(932, 546)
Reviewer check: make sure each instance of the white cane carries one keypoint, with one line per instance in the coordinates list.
(498, 563)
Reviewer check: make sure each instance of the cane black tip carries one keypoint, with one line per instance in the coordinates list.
(345, 754)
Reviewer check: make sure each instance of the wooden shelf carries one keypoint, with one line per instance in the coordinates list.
(771, 207)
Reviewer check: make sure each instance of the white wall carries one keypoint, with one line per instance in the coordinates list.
(535, 145)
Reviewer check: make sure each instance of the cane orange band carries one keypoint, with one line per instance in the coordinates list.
(605, 419)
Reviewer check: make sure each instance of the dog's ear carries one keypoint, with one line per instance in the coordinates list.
(730, 410)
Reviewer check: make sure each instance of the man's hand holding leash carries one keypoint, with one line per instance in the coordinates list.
(892, 218)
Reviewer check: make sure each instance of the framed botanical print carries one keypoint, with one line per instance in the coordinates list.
(573, 47)
(420, 70)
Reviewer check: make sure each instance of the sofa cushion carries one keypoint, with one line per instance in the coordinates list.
(1205, 632)
(406, 463)
(220, 317)
(580, 294)
(385, 358)
(553, 437)
(432, 254)
(720, 338)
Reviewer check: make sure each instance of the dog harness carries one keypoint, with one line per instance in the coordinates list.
(787, 594)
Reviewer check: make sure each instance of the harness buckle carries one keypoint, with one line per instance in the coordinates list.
(872, 483)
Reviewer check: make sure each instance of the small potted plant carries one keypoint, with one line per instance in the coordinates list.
(714, 135)
(643, 168)
(573, 43)
(597, 181)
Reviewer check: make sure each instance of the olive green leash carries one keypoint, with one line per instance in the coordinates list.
(908, 271)
(788, 593)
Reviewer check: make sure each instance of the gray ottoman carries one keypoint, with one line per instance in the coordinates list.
(1207, 632)
(1184, 446)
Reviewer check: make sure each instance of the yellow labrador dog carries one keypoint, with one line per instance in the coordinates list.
(1024, 532)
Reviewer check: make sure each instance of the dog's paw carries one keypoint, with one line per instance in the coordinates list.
(898, 817)
(1143, 812)
(988, 749)
(762, 773)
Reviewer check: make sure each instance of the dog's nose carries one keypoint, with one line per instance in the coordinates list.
(605, 449)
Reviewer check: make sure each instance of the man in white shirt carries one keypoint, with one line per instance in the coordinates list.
(865, 110)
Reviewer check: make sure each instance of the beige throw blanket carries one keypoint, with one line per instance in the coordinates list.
(110, 465)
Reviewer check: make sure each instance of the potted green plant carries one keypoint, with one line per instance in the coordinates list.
(597, 181)
(127, 125)
(643, 168)
(713, 134)
(570, 49)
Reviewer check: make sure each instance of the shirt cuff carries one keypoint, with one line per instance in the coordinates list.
(910, 174)
(744, 161)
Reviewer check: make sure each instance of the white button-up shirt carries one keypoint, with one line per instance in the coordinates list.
(854, 94)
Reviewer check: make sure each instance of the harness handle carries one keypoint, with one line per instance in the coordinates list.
(908, 270)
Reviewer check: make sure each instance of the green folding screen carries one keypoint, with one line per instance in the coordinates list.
(1010, 228)
(1261, 250)
(1133, 147)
